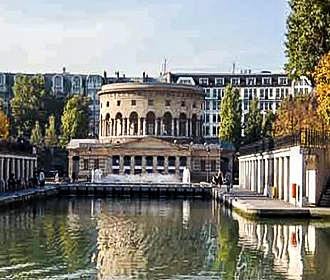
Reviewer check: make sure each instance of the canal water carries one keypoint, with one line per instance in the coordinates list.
(118, 238)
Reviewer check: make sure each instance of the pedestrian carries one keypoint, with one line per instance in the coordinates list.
(11, 182)
(42, 179)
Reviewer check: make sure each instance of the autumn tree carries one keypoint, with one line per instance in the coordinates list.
(36, 135)
(297, 113)
(4, 126)
(308, 36)
(26, 105)
(322, 79)
(253, 129)
(75, 119)
(230, 116)
(50, 133)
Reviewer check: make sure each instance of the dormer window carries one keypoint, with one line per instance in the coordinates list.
(203, 81)
(235, 81)
(250, 81)
(94, 82)
(219, 81)
(58, 83)
(267, 81)
(76, 84)
(282, 80)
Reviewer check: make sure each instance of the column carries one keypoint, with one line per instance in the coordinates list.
(253, 174)
(144, 164)
(139, 126)
(125, 126)
(177, 127)
(190, 128)
(154, 164)
(162, 127)
(144, 127)
(177, 165)
(18, 168)
(280, 178)
(121, 164)
(132, 164)
(165, 165)
(1, 168)
(27, 168)
(156, 127)
(172, 127)
(187, 128)
(276, 169)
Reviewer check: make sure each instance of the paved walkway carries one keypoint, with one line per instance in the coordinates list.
(256, 205)
(9, 197)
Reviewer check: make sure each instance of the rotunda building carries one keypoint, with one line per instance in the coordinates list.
(152, 128)
(135, 110)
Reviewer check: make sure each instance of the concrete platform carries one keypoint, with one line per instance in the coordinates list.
(253, 205)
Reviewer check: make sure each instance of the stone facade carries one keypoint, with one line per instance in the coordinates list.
(149, 128)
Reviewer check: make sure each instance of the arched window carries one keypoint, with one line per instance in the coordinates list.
(167, 122)
(150, 123)
(182, 124)
(133, 123)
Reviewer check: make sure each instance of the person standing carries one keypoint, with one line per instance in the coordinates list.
(42, 179)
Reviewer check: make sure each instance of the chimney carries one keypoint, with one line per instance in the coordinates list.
(63, 70)
(105, 75)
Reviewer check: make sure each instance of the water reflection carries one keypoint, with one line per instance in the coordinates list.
(156, 239)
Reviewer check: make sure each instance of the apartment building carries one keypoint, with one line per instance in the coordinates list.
(270, 89)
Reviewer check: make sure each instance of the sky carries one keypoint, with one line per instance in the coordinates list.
(135, 36)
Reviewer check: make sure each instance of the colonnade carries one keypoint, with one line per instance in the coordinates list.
(120, 164)
(134, 126)
(259, 174)
(19, 166)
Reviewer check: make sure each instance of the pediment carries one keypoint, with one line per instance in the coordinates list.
(150, 143)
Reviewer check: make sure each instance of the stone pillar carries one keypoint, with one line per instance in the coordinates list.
(132, 164)
(154, 164)
(144, 126)
(18, 168)
(156, 127)
(144, 164)
(189, 165)
(121, 164)
(110, 165)
(177, 127)
(286, 179)
(190, 128)
(139, 126)
(177, 165)
(253, 175)
(187, 128)
(280, 178)
(125, 126)
(165, 165)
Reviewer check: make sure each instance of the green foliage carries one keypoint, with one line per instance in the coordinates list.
(36, 135)
(75, 119)
(50, 134)
(27, 105)
(230, 116)
(4, 126)
(267, 124)
(308, 36)
(253, 128)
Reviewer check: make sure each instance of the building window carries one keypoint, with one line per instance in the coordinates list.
(282, 80)
(245, 105)
(203, 81)
(207, 130)
(207, 118)
(213, 165)
(214, 105)
(167, 103)
(85, 164)
(108, 103)
(219, 81)
(214, 130)
(215, 118)
(246, 93)
(150, 102)
(266, 81)
(133, 102)
(194, 105)
(183, 104)
(202, 165)
(250, 81)
(235, 81)
(207, 105)
(118, 102)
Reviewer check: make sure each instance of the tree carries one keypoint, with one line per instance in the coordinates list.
(322, 79)
(267, 124)
(36, 135)
(27, 105)
(253, 128)
(230, 116)
(308, 36)
(4, 126)
(297, 113)
(50, 134)
(75, 119)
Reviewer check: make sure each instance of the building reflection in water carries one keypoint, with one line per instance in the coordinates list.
(285, 244)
